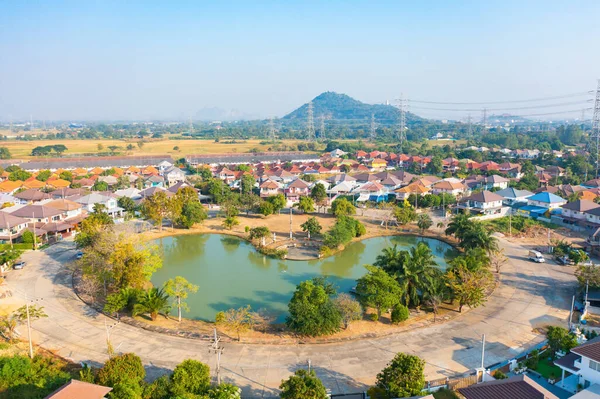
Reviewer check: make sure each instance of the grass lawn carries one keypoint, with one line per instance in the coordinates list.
(547, 369)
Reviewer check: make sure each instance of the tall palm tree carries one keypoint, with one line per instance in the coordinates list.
(459, 225)
(391, 260)
(417, 273)
(477, 236)
(152, 301)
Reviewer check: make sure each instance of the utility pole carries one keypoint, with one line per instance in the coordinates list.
(373, 134)
(109, 347)
(29, 326)
(291, 234)
(482, 352)
(596, 126)
(310, 124)
(217, 350)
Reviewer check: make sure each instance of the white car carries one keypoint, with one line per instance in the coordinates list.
(19, 265)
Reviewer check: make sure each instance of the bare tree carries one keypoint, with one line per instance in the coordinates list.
(262, 319)
(498, 259)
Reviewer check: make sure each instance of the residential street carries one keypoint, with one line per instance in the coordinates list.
(531, 295)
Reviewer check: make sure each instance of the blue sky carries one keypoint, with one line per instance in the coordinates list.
(144, 60)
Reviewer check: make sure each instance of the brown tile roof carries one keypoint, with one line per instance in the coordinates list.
(590, 349)
(580, 205)
(518, 387)
(483, 196)
(79, 390)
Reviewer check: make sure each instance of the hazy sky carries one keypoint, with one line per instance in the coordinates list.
(169, 59)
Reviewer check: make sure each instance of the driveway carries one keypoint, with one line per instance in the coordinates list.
(531, 295)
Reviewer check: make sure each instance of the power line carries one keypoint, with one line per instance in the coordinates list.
(310, 125)
(596, 126)
(505, 109)
(507, 101)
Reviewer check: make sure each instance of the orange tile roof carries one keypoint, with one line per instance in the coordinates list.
(9, 185)
(80, 171)
(59, 183)
(97, 171)
(34, 183)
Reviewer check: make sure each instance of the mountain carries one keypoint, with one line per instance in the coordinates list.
(342, 107)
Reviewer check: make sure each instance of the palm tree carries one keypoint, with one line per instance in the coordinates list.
(391, 260)
(477, 236)
(152, 301)
(424, 222)
(473, 260)
(435, 294)
(417, 273)
(459, 225)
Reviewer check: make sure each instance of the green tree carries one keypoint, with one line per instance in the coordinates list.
(127, 204)
(342, 207)
(180, 288)
(225, 391)
(378, 290)
(560, 339)
(578, 256)
(459, 224)
(404, 215)
(5, 153)
(115, 303)
(156, 208)
(318, 193)
(153, 301)
(190, 377)
(403, 376)
(303, 385)
(349, 308)
(43, 175)
(192, 213)
(25, 378)
(130, 265)
(230, 222)
(417, 272)
(312, 311)
(100, 186)
(258, 233)
(311, 226)
(477, 236)
(424, 222)
(400, 313)
(469, 288)
(278, 202)
(306, 204)
(122, 369)
(265, 208)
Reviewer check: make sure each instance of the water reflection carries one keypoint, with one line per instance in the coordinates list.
(230, 273)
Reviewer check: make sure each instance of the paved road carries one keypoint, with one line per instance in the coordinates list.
(531, 295)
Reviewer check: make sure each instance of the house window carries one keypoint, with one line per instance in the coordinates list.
(594, 365)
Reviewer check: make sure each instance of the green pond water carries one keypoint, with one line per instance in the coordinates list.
(232, 274)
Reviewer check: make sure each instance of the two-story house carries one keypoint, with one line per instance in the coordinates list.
(513, 196)
(38, 213)
(495, 181)
(71, 209)
(577, 212)
(173, 175)
(297, 189)
(484, 203)
(11, 227)
(110, 203)
(583, 363)
(269, 188)
(546, 200)
(448, 187)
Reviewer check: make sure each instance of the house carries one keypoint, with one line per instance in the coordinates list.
(269, 188)
(413, 188)
(163, 166)
(37, 213)
(173, 175)
(376, 164)
(297, 189)
(520, 386)
(372, 191)
(130, 192)
(89, 203)
(576, 211)
(337, 153)
(75, 389)
(31, 195)
(11, 227)
(546, 200)
(513, 196)
(583, 363)
(449, 187)
(154, 181)
(70, 209)
(484, 203)
(9, 187)
(495, 181)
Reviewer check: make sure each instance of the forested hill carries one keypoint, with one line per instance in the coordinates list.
(342, 107)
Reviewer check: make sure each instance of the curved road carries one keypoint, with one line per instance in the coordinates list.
(531, 295)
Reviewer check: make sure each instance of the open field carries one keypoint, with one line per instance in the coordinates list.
(22, 149)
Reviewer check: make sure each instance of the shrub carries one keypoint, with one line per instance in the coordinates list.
(400, 313)
(21, 377)
(374, 316)
(159, 389)
(499, 375)
(190, 377)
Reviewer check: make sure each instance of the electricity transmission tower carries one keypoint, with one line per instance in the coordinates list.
(271, 130)
(310, 123)
(322, 129)
(373, 134)
(469, 126)
(484, 119)
(191, 126)
(402, 127)
(596, 126)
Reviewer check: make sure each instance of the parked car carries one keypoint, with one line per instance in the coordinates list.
(19, 265)
(79, 255)
(563, 260)
(536, 256)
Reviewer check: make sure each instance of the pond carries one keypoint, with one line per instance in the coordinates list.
(231, 273)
